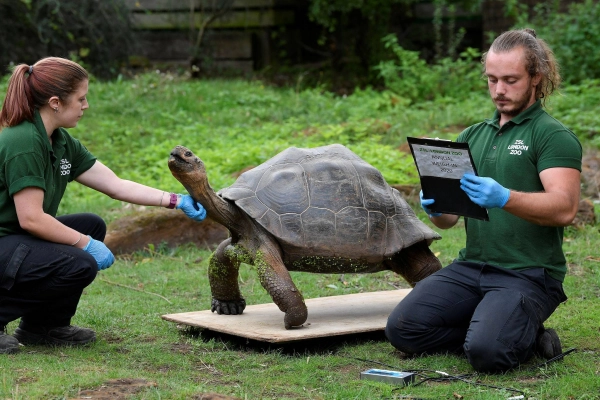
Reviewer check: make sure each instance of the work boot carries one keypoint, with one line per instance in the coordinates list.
(8, 344)
(547, 344)
(58, 336)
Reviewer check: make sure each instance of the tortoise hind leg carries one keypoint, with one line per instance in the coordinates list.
(414, 262)
(223, 273)
(276, 280)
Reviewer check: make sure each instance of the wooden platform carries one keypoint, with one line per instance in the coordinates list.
(327, 316)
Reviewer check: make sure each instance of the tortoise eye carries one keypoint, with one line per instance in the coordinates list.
(188, 153)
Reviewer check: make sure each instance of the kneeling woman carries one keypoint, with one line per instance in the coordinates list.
(46, 261)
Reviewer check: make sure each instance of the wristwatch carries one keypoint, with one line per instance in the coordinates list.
(172, 201)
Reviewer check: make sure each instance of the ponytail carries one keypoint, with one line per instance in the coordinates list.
(17, 105)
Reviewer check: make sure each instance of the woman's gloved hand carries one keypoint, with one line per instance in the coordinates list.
(427, 202)
(484, 192)
(191, 208)
(103, 256)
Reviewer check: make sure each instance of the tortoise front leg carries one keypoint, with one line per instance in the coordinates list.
(276, 280)
(223, 273)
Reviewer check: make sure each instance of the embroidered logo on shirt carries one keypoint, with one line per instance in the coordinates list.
(518, 147)
(65, 167)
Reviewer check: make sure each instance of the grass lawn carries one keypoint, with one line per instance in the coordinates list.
(132, 126)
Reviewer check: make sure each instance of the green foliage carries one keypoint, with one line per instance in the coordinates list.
(576, 106)
(96, 33)
(446, 43)
(413, 79)
(573, 36)
(328, 12)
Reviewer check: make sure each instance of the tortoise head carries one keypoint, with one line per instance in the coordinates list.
(185, 166)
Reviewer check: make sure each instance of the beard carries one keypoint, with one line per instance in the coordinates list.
(515, 106)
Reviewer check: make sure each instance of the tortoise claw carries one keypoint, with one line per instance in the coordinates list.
(228, 307)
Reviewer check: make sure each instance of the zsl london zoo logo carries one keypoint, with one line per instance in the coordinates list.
(65, 167)
(517, 148)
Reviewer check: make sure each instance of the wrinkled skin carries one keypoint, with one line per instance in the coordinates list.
(253, 244)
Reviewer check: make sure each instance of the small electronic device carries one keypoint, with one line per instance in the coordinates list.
(393, 377)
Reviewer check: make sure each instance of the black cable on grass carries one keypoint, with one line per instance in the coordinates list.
(447, 377)
(558, 357)
(442, 378)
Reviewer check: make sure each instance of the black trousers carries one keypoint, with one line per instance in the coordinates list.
(490, 314)
(41, 282)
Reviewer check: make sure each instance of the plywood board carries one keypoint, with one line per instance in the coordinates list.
(327, 316)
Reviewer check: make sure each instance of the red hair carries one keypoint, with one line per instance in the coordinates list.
(30, 87)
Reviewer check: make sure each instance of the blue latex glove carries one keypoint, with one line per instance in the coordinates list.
(428, 202)
(191, 208)
(485, 192)
(100, 252)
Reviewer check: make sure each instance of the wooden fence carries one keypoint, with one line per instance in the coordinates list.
(240, 39)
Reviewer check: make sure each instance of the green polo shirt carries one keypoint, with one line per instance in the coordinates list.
(514, 155)
(27, 159)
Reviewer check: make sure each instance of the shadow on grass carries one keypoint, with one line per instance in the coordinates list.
(315, 346)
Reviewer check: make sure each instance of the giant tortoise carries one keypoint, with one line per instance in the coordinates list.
(321, 210)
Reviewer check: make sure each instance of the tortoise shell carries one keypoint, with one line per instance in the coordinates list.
(327, 201)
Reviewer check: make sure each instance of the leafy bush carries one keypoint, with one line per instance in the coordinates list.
(410, 77)
(351, 32)
(573, 36)
(577, 107)
(96, 33)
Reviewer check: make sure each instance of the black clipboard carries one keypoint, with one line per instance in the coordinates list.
(449, 197)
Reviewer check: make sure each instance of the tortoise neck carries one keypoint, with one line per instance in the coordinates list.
(217, 208)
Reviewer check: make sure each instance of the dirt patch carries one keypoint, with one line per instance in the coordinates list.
(350, 370)
(246, 169)
(590, 176)
(147, 339)
(528, 380)
(112, 338)
(586, 214)
(160, 225)
(115, 389)
(576, 269)
(122, 389)
(26, 379)
(182, 348)
(213, 396)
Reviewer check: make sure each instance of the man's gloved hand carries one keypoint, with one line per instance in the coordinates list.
(191, 208)
(485, 192)
(100, 252)
(428, 202)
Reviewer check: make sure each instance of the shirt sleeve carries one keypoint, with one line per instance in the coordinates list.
(559, 149)
(25, 170)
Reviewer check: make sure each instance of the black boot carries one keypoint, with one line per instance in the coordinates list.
(57, 336)
(8, 344)
(547, 344)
